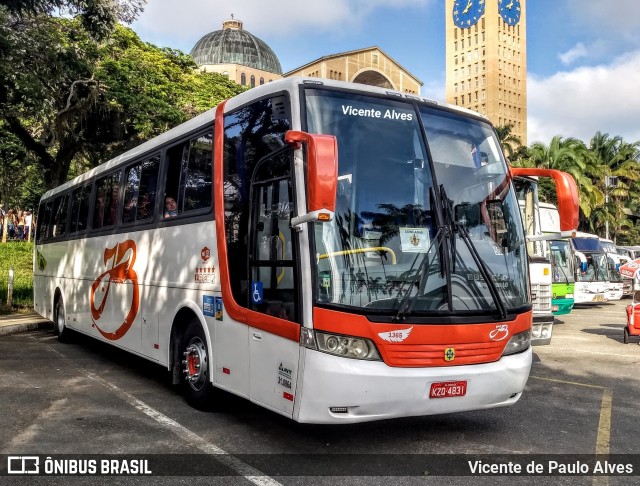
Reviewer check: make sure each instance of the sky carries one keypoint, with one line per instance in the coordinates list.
(583, 56)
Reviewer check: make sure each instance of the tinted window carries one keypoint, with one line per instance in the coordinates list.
(140, 190)
(106, 201)
(80, 209)
(198, 186)
(44, 220)
(60, 211)
(250, 134)
(189, 176)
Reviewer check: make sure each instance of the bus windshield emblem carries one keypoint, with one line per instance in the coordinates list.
(396, 336)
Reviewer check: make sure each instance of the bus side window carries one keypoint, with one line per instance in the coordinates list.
(106, 201)
(140, 190)
(177, 158)
(44, 221)
(198, 182)
(190, 174)
(80, 209)
(59, 226)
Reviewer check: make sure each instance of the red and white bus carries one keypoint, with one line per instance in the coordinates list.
(338, 253)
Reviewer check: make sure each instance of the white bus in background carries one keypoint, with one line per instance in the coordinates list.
(620, 285)
(539, 260)
(563, 261)
(632, 252)
(592, 279)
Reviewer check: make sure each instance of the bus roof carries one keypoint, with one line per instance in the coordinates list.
(587, 242)
(253, 94)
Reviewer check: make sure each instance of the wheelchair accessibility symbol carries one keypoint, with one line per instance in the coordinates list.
(256, 292)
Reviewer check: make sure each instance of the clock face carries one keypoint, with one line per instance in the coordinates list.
(510, 11)
(467, 12)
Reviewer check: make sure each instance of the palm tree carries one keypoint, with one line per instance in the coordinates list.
(619, 159)
(510, 143)
(572, 156)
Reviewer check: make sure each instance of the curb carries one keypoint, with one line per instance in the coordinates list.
(27, 326)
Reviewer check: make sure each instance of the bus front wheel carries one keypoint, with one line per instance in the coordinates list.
(195, 357)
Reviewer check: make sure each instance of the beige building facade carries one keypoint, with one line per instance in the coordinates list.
(370, 66)
(249, 61)
(244, 75)
(486, 60)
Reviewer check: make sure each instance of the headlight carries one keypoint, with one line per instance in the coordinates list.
(339, 345)
(536, 330)
(518, 343)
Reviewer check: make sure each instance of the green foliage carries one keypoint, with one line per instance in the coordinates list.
(69, 101)
(98, 17)
(590, 165)
(19, 256)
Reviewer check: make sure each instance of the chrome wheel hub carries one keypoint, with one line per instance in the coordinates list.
(195, 364)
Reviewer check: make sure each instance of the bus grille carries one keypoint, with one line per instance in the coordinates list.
(542, 302)
(417, 355)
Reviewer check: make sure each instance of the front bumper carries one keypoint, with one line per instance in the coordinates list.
(561, 306)
(542, 329)
(372, 390)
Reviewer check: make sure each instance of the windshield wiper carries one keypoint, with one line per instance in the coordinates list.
(464, 235)
(564, 274)
(407, 300)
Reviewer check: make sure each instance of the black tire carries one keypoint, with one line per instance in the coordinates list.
(626, 335)
(195, 363)
(59, 321)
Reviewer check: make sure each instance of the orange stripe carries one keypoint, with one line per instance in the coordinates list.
(274, 325)
(426, 343)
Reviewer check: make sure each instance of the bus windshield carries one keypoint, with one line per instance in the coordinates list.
(597, 268)
(426, 219)
(562, 261)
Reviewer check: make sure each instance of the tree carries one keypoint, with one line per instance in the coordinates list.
(12, 160)
(46, 84)
(572, 156)
(510, 142)
(71, 99)
(98, 17)
(146, 90)
(619, 159)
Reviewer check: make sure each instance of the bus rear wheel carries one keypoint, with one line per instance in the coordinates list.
(59, 324)
(196, 358)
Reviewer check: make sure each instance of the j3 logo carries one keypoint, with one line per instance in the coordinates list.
(121, 258)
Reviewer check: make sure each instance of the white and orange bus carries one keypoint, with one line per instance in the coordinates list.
(338, 253)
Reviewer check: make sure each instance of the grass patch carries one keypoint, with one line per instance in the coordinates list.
(19, 256)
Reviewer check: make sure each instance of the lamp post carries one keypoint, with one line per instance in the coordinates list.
(609, 181)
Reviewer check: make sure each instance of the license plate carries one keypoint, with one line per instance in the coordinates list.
(446, 389)
(598, 298)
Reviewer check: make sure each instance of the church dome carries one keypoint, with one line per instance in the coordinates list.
(233, 45)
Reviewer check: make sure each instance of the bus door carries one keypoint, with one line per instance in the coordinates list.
(272, 279)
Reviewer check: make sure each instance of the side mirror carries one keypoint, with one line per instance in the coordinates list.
(322, 175)
(566, 191)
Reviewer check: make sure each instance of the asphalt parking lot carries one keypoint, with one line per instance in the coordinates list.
(85, 397)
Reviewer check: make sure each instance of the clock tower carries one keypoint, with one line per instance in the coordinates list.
(486, 60)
